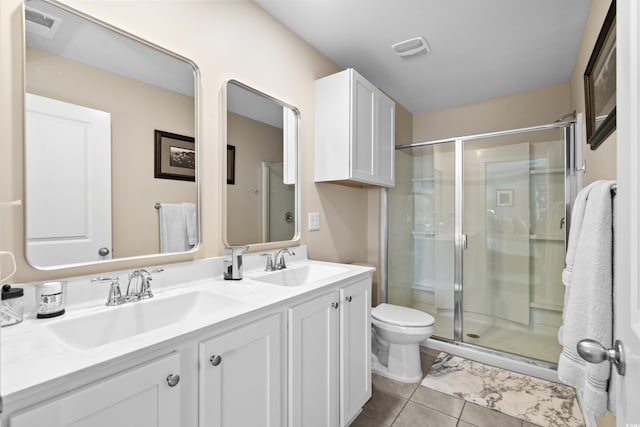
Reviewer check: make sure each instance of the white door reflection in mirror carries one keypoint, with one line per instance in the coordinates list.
(263, 198)
(278, 204)
(68, 182)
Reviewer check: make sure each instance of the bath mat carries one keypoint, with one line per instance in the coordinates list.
(540, 402)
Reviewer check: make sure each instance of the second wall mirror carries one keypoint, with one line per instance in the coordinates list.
(262, 191)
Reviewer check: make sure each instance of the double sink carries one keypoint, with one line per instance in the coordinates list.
(112, 324)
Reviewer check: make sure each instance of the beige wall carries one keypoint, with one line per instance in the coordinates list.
(255, 143)
(531, 108)
(601, 163)
(136, 109)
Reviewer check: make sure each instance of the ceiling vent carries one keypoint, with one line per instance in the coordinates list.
(40, 23)
(411, 48)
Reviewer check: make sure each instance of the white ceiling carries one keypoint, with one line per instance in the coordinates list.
(92, 44)
(480, 49)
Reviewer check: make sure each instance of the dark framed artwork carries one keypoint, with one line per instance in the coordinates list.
(600, 83)
(231, 164)
(175, 156)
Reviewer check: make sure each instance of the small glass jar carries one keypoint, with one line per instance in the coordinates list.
(12, 306)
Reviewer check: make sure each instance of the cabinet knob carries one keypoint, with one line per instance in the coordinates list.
(335, 304)
(173, 380)
(348, 299)
(215, 360)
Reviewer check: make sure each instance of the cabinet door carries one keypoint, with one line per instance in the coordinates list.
(385, 139)
(355, 349)
(241, 376)
(313, 362)
(363, 146)
(140, 397)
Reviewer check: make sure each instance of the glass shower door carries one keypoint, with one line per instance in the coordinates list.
(513, 223)
(421, 233)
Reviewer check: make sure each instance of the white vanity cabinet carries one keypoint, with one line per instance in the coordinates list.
(242, 375)
(354, 131)
(313, 362)
(355, 349)
(144, 396)
(329, 357)
(300, 359)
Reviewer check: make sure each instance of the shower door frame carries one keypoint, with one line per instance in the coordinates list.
(572, 182)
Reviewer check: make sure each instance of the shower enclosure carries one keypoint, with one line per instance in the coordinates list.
(476, 230)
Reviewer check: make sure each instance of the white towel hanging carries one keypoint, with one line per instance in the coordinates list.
(588, 279)
(173, 228)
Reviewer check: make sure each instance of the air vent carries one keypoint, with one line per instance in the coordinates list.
(411, 48)
(40, 23)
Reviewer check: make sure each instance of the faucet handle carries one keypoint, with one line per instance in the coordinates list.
(269, 266)
(115, 294)
(145, 286)
(101, 279)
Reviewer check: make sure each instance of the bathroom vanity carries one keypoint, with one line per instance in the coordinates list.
(290, 347)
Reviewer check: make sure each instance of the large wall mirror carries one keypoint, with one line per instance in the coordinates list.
(262, 193)
(110, 147)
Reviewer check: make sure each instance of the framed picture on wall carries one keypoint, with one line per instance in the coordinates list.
(231, 164)
(600, 83)
(175, 156)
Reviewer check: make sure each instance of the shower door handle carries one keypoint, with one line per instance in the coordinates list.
(464, 241)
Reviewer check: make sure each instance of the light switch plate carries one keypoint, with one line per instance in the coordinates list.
(314, 221)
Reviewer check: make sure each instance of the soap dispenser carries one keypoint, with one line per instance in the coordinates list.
(232, 262)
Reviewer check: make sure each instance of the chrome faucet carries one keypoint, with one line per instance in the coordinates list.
(141, 286)
(280, 265)
(277, 262)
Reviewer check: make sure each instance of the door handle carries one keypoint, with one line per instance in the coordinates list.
(103, 251)
(594, 352)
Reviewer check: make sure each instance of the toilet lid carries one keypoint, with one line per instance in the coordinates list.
(401, 316)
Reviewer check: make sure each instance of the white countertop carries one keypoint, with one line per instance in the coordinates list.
(32, 355)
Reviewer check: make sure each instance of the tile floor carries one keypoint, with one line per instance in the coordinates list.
(396, 404)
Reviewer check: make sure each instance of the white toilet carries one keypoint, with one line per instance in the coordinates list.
(397, 332)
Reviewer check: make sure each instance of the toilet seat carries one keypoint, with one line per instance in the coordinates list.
(403, 330)
(404, 317)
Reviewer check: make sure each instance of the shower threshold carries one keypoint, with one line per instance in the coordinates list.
(501, 359)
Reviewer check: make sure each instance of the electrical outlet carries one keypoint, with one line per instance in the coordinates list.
(314, 221)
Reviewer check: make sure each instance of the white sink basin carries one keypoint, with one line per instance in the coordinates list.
(127, 320)
(299, 275)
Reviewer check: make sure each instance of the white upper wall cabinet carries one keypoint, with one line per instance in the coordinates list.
(354, 138)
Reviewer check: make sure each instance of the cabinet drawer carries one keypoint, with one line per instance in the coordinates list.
(140, 397)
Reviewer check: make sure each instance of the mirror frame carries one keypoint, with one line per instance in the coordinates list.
(257, 246)
(146, 258)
